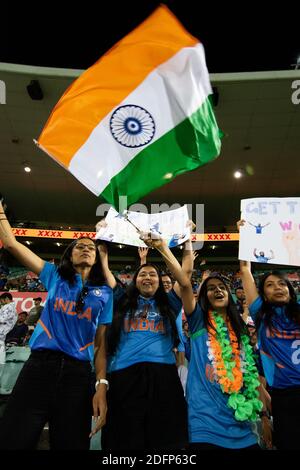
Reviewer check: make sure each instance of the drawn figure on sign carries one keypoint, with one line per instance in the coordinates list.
(259, 227)
(261, 258)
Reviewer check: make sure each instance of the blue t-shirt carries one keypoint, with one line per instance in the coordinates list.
(262, 259)
(146, 338)
(210, 420)
(279, 348)
(60, 328)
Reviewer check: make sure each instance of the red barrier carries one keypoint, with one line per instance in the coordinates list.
(24, 300)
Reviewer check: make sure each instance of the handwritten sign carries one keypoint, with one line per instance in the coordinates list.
(271, 233)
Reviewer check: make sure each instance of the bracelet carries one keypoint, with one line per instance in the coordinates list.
(102, 381)
(4, 218)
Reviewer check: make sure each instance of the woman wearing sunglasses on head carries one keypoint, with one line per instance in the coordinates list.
(55, 384)
(146, 404)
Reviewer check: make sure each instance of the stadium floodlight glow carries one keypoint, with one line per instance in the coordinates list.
(26, 167)
(238, 174)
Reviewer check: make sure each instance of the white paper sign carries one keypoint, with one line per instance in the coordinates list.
(172, 226)
(271, 233)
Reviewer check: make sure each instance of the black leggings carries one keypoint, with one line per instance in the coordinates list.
(146, 409)
(55, 388)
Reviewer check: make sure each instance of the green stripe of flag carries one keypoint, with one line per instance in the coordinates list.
(192, 143)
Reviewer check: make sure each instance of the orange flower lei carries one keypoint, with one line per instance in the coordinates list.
(230, 382)
(235, 369)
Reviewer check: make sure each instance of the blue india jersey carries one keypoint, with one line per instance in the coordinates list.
(146, 337)
(279, 348)
(210, 420)
(60, 328)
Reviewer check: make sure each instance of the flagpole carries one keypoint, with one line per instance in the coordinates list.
(128, 220)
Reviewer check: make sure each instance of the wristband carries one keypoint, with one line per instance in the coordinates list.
(102, 381)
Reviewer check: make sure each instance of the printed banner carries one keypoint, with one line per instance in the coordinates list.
(172, 226)
(71, 235)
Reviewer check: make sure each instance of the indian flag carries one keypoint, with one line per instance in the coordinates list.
(139, 116)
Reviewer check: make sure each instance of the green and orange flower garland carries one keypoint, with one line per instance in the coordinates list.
(235, 368)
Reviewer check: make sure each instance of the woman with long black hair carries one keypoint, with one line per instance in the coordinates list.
(55, 384)
(146, 405)
(222, 382)
(276, 313)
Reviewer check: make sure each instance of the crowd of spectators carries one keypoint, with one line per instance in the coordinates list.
(23, 282)
(26, 283)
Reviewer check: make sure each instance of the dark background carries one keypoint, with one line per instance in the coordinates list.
(239, 36)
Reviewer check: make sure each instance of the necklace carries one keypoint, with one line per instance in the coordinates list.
(234, 368)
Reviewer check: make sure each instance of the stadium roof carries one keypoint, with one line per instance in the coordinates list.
(255, 111)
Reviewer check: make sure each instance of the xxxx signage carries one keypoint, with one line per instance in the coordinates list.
(69, 234)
